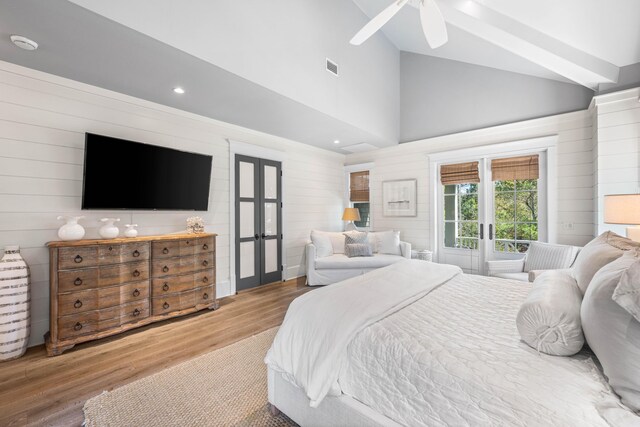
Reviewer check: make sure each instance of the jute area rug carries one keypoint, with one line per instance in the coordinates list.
(227, 387)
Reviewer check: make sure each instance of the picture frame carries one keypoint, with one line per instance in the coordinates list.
(399, 198)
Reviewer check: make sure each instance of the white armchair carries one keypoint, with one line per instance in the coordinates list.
(539, 258)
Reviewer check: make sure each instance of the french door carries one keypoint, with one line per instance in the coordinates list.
(496, 214)
(258, 222)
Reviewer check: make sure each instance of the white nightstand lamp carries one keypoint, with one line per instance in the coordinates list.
(623, 209)
(350, 215)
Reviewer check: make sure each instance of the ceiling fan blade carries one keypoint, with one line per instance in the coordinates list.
(377, 22)
(433, 25)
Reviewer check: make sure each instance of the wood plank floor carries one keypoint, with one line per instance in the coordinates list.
(50, 391)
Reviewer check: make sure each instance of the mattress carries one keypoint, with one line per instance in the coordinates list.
(454, 358)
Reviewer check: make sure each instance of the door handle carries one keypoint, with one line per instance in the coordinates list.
(481, 231)
(256, 236)
(490, 231)
(264, 235)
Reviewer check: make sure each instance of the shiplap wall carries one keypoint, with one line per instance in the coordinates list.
(43, 119)
(617, 142)
(575, 174)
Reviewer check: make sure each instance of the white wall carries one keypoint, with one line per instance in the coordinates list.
(43, 119)
(617, 141)
(575, 173)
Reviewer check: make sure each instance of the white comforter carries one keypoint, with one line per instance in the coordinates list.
(311, 345)
(455, 358)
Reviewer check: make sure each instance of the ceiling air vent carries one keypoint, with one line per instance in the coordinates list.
(332, 67)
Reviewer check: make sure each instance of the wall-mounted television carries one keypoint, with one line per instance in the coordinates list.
(121, 174)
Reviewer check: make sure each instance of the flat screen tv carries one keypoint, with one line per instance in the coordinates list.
(121, 174)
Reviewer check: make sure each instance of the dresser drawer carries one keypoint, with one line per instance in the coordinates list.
(204, 244)
(128, 252)
(168, 249)
(204, 260)
(102, 320)
(73, 326)
(206, 295)
(171, 266)
(118, 295)
(77, 280)
(77, 302)
(122, 273)
(76, 257)
(134, 312)
(183, 282)
(173, 302)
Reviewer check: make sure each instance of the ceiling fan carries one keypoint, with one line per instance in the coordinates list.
(433, 24)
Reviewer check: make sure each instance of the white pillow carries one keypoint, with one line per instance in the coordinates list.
(549, 319)
(372, 237)
(337, 241)
(389, 242)
(547, 256)
(322, 242)
(596, 254)
(612, 333)
(627, 293)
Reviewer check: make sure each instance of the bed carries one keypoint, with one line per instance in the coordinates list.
(437, 348)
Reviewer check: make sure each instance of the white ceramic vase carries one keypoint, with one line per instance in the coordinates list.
(130, 231)
(15, 301)
(109, 229)
(71, 230)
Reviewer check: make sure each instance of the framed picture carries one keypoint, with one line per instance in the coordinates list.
(399, 197)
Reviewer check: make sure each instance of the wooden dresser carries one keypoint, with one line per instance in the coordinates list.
(104, 287)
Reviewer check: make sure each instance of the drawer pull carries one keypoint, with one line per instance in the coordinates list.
(205, 262)
(136, 313)
(78, 281)
(77, 304)
(205, 279)
(136, 253)
(136, 273)
(77, 259)
(165, 269)
(165, 287)
(187, 242)
(205, 246)
(110, 248)
(205, 296)
(165, 251)
(136, 293)
(77, 326)
(165, 305)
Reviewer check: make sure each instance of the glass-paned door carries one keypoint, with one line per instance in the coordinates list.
(258, 228)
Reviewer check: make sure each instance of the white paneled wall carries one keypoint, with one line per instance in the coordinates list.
(617, 141)
(575, 173)
(43, 119)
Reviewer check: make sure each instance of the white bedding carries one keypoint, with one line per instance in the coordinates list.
(310, 346)
(454, 358)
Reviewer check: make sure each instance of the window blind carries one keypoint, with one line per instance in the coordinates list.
(460, 173)
(523, 167)
(359, 186)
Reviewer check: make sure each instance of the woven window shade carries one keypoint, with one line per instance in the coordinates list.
(359, 186)
(460, 173)
(524, 167)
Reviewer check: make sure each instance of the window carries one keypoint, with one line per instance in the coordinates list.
(359, 196)
(515, 189)
(461, 216)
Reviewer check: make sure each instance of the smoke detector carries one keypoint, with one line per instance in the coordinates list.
(24, 43)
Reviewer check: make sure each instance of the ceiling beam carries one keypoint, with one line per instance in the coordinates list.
(529, 43)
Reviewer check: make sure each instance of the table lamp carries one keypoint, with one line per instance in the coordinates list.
(350, 215)
(623, 209)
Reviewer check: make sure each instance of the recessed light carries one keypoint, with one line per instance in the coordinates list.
(337, 141)
(178, 90)
(24, 43)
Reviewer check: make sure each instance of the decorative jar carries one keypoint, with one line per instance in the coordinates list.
(109, 229)
(71, 230)
(15, 302)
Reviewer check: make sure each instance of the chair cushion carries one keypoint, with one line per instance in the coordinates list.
(389, 242)
(549, 319)
(322, 242)
(522, 277)
(337, 261)
(547, 256)
(597, 253)
(612, 332)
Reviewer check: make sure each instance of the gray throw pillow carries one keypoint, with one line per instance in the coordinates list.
(351, 237)
(612, 332)
(357, 249)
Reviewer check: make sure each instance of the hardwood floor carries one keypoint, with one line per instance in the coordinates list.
(40, 390)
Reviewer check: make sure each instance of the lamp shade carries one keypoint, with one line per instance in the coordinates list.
(622, 209)
(351, 214)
